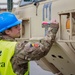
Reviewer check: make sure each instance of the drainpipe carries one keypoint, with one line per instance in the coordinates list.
(9, 5)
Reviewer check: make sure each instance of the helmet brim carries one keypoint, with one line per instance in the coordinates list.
(12, 25)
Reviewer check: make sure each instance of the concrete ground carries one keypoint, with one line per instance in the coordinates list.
(37, 70)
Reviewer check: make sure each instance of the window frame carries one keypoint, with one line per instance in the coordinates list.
(22, 3)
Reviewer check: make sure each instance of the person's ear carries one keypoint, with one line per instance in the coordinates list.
(7, 32)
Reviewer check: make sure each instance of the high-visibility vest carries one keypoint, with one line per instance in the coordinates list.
(7, 49)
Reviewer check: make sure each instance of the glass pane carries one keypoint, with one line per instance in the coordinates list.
(27, 0)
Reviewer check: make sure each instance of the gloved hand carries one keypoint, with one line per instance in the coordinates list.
(53, 26)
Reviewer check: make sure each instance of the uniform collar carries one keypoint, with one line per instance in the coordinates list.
(5, 37)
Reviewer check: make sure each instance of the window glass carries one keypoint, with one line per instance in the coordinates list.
(25, 2)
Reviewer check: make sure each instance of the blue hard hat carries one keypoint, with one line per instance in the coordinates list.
(8, 20)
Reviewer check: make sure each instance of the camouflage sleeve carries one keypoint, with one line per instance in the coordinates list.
(26, 50)
(34, 51)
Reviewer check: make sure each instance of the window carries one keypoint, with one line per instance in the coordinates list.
(25, 2)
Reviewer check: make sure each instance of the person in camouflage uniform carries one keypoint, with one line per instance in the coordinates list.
(25, 51)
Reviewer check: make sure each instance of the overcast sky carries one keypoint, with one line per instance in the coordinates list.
(6, 1)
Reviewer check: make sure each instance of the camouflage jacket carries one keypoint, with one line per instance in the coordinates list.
(26, 51)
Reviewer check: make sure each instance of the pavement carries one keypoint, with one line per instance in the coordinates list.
(37, 70)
